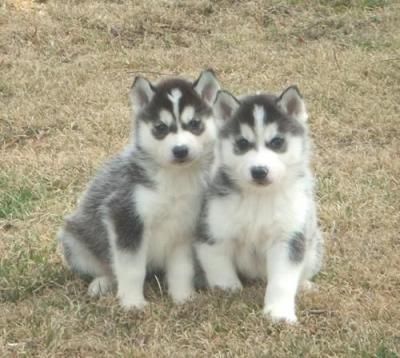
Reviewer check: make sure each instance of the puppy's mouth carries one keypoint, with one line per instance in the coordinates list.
(262, 182)
(183, 161)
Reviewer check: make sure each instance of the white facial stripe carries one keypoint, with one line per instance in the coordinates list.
(247, 133)
(174, 97)
(187, 114)
(166, 117)
(182, 138)
(263, 157)
(270, 132)
(259, 114)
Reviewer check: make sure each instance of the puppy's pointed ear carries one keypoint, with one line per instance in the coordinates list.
(224, 107)
(207, 86)
(292, 103)
(142, 91)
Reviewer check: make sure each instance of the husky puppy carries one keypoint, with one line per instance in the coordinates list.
(259, 217)
(140, 211)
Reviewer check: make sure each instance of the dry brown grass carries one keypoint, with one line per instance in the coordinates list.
(65, 69)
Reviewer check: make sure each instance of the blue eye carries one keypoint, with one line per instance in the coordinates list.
(276, 143)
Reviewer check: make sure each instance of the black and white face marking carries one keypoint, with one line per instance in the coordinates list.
(174, 118)
(262, 136)
(259, 135)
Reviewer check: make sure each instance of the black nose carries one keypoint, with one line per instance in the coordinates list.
(180, 151)
(259, 173)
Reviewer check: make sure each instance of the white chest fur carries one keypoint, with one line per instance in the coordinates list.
(250, 223)
(169, 212)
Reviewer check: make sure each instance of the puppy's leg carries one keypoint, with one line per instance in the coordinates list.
(129, 250)
(180, 273)
(284, 269)
(217, 263)
(130, 271)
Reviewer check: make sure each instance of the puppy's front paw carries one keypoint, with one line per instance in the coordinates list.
(132, 302)
(280, 314)
(181, 297)
(232, 287)
(232, 284)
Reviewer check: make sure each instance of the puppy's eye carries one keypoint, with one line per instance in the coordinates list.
(194, 125)
(243, 144)
(161, 128)
(276, 143)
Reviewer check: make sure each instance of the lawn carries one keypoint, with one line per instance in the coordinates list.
(65, 72)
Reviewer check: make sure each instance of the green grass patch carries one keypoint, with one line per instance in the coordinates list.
(27, 270)
(16, 202)
(354, 4)
(5, 90)
(18, 197)
(371, 4)
(384, 352)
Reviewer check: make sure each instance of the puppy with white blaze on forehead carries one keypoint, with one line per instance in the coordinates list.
(258, 219)
(140, 211)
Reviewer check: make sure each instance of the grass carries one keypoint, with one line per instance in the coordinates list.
(65, 71)
(15, 203)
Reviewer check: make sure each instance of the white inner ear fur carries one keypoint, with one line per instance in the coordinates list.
(187, 114)
(224, 107)
(292, 104)
(141, 93)
(207, 87)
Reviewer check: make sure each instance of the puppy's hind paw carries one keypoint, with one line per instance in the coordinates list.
(180, 298)
(132, 303)
(236, 287)
(100, 286)
(308, 286)
(232, 285)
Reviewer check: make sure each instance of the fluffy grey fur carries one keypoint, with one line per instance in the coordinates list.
(258, 219)
(134, 215)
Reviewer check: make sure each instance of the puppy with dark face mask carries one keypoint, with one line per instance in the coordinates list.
(258, 218)
(139, 213)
